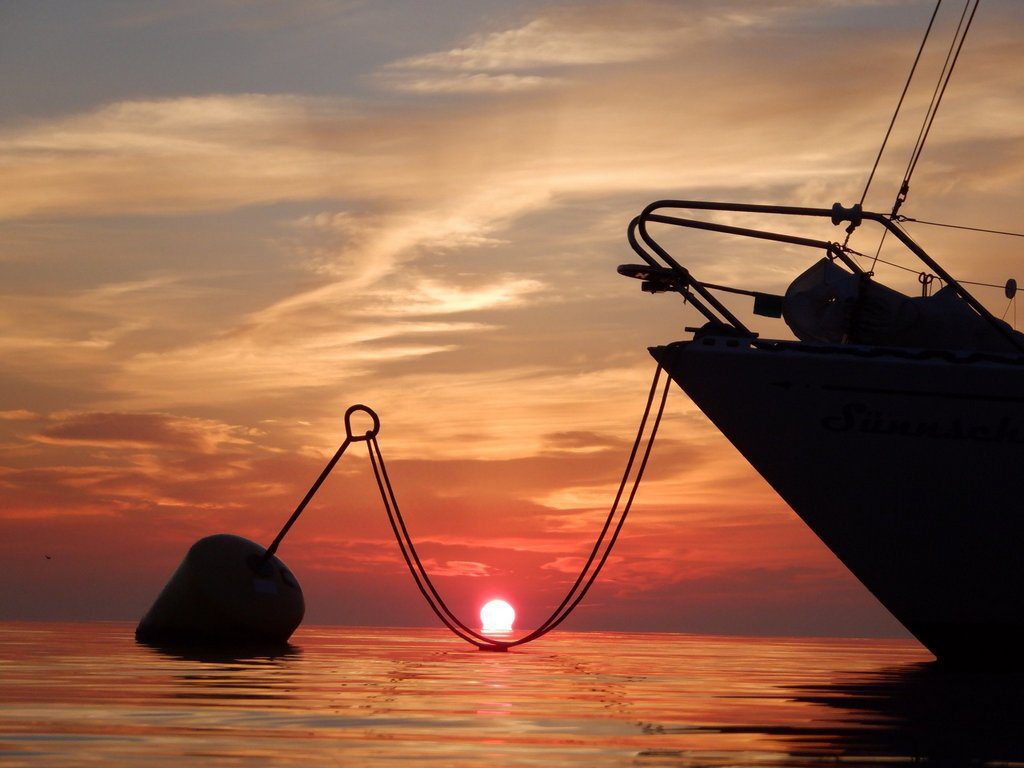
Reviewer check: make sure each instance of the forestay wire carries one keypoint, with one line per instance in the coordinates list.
(952, 56)
(599, 553)
(896, 112)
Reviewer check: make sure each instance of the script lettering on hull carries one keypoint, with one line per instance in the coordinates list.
(859, 417)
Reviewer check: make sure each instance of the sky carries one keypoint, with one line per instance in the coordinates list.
(222, 223)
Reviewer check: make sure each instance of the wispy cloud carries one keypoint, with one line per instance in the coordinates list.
(524, 58)
(461, 568)
(174, 155)
(19, 414)
(476, 82)
(432, 297)
(572, 36)
(141, 430)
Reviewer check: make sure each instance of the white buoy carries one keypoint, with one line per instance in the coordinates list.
(224, 592)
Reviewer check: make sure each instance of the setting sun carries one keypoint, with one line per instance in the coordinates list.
(497, 616)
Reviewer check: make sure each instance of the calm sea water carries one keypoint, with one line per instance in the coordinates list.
(87, 694)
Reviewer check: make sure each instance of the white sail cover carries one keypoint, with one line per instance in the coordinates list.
(820, 302)
(828, 304)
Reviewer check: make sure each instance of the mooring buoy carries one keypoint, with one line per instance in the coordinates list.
(226, 590)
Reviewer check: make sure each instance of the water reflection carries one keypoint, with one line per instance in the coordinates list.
(225, 654)
(380, 697)
(925, 712)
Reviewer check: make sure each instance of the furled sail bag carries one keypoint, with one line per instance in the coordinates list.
(819, 305)
(830, 305)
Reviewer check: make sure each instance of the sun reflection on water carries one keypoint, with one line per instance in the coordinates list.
(87, 694)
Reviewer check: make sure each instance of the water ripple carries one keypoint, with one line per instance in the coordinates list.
(87, 694)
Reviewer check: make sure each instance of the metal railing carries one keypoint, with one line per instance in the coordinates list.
(669, 274)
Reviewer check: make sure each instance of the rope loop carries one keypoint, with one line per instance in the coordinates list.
(370, 434)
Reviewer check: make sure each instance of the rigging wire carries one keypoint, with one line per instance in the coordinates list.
(878, 253)
(901, 218)
(895, 114)
(952, 56)
(905, 268)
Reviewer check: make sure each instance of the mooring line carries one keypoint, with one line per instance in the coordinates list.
(407, 547)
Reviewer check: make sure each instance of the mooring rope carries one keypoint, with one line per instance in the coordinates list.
(588, 574)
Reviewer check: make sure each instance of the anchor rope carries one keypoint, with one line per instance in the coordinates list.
(588, 573)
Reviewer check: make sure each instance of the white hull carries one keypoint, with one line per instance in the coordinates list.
(907, 465)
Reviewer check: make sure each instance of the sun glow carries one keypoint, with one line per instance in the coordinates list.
(497, 616)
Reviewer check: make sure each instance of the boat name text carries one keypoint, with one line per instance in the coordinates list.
(858, 417)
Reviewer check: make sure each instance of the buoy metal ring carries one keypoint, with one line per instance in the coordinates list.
(369, 434)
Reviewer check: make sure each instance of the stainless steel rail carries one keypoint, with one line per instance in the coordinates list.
(700, 293)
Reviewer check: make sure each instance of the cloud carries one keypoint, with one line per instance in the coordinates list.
(476, 82)
(432, 297)
(582, 441)
(141, 430)
(223, 151)
(19, 414)
(460, 568)
(174, 155)
(429, 207)
(568, 36)
(269, 361)
(570, 565)
(257, 16)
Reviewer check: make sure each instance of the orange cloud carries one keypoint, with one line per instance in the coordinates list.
(139, 430)
(19, 414)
